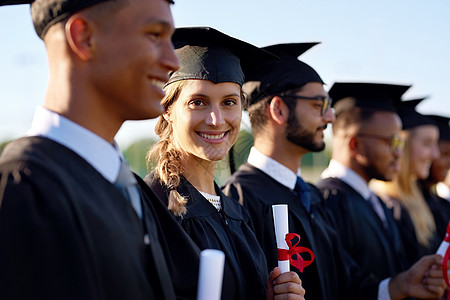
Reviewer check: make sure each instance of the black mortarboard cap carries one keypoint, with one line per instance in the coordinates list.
(409, 115)
(376, 96)
(287, 73)
(206, 53)
(444, 126)
(46, 13)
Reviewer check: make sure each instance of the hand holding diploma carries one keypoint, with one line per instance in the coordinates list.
(422, 280)
(427, 278)
(284, 286)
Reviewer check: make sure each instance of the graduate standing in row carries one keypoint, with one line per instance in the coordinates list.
(289, 110)
(366, 145)
(68, 229)
(403, 193)
(285, 126)
(202, 118)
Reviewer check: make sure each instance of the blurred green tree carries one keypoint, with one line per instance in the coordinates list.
(135, 155)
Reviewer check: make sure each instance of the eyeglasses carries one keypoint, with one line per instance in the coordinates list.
(326, 101)
(396, 142)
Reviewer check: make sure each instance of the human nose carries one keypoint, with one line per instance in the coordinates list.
(215, 116)
(397, 151)
(329, 116)
(169, 58)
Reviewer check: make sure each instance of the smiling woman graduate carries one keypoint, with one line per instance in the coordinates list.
(203, 109)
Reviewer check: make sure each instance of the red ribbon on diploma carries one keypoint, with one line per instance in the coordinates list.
(286, 254)
(446, 258)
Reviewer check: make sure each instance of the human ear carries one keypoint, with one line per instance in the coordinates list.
(278, 110)
(353, 145)
(79, 34)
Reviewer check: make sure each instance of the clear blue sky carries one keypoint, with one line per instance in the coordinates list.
(401, 41)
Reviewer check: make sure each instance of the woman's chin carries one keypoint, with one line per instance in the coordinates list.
(213, 156)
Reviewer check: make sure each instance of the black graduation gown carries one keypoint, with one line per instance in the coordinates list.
(333, 274)
(229, 230)
(181, 253)
(67, 233)
(414, 249)
(441, 212)
(361, 230)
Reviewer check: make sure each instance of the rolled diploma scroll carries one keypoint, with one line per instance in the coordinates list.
(280, 221)
(210, 274)
(444, 245)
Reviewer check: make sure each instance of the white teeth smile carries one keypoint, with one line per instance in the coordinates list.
(158, 83)
(212, 137)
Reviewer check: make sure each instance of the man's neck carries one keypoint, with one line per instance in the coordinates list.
(354, 166)
(94, 119)
(73, 98)
(287, 154)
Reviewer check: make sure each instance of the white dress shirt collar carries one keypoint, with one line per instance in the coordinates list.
(100, 154)
(337, 170)
(271, 167)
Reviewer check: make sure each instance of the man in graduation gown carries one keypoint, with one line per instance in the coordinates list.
(67, 231)
(289, 110)
(366, 145)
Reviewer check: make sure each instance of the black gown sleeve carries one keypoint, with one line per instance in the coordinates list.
(42, 254)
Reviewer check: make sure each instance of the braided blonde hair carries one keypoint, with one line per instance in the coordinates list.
(167, 157)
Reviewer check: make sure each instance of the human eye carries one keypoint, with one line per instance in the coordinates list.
(155, 32)
(428, 142)
(318, 104)
(196, 103)
(230, 102)
(153, 35)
